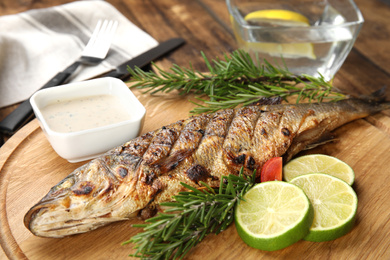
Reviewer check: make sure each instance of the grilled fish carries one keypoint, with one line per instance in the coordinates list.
(134, 178)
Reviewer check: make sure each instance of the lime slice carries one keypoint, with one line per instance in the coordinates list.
(318, 163)
(285, 18)
(274, 215)
(334, 202)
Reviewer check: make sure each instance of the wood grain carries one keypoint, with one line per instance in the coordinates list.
(373, 40)
(205, 25)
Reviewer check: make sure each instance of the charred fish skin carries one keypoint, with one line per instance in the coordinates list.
(134, 178)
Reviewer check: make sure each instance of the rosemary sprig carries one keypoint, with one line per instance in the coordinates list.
(189, 218)
(237, 80)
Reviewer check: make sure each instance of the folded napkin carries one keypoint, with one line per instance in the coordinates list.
(37, 44)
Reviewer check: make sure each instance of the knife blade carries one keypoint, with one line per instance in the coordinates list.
(145, 58)
(24, 112)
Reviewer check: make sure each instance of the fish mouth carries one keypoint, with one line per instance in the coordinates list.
(31, 215)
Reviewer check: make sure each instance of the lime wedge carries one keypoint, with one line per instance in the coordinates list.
(335, 205)
(284, 18)
(318, 163)
(274, 215)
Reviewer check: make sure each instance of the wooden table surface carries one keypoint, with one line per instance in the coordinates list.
(205, 26)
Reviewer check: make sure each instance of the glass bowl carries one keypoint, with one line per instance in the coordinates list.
(306, 37)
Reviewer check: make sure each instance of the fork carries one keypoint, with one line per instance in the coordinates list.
(94, 52)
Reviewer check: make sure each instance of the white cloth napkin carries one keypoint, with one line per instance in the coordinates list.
(37, 44)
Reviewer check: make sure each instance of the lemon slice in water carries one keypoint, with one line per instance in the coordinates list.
(284, 18)
(276, 14)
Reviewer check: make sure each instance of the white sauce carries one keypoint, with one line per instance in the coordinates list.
(84, 113)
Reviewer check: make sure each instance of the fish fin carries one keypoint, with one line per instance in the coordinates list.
(307, 142)
(267, 101)
(326, 138)
(376, 96)
(169, 163)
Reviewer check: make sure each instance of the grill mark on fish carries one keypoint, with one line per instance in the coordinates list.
(285, 131)
(161, 145)
(137, 176)
(149, 178)
(209, 147)
(147, 212)
(105, 167)
(84, 188)
(209, 153)
(250, 163)
(185, 145)
(237, 144)
(150, 207)
(263, 141)
(152, 164)
(122, 172)
(120, 165)
(135, 147)
(197, 173)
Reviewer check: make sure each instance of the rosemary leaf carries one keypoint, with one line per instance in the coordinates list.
(196, 214)
(237, 74)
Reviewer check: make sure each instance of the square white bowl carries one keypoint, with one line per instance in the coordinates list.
(90, 143)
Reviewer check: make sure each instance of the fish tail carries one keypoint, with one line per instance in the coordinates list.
(377, 99)
(373, 103)
(376, 96)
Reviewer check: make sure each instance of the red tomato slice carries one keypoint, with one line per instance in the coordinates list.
(272, 170)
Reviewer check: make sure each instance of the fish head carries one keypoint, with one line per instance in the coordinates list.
(79, 203)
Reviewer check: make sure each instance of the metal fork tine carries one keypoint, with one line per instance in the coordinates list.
(106, 37)
(93, 36)
(101, 38)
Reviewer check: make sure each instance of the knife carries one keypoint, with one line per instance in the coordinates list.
(24, 112)
(144, 59)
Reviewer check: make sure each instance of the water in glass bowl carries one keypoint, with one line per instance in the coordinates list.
(313, 40)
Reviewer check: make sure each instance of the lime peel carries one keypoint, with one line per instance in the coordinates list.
(318, 163)
(324, 191)
(258, 217)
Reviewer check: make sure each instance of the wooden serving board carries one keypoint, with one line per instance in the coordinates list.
(29, 167)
